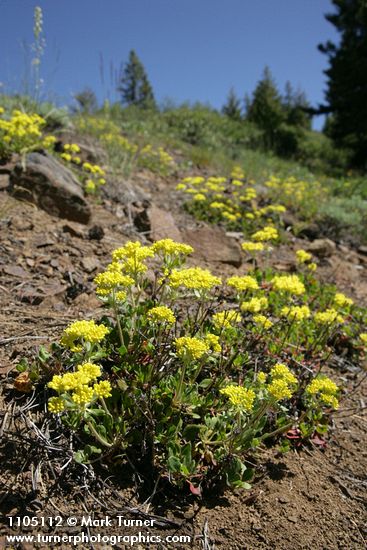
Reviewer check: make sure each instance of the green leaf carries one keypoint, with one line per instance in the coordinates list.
(191, 431)
(205, 383)
(122, 350)
(174, 464)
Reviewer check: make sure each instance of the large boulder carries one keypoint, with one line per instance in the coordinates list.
(51, 186)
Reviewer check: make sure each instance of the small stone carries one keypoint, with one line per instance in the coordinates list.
(74, 229)
(21, 224)
(159, 223)
(210, 243)
(96, 233)
(363, 250)
(15, 271)
(4, 181)
(323, 248)
(41, 241)
(89, 264)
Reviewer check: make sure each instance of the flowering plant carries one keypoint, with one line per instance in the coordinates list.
(189, 387)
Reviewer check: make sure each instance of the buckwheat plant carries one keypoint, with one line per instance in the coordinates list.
(187, 374)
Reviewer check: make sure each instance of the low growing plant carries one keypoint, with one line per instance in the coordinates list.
(186, 374)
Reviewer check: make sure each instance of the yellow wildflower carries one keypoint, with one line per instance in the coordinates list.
(199, 197)
(91, 370)
(324, 389)
(191, 348)
(341, 300)
(328, 316)
(171, 248)
(87, 331)
(288, 283)
(194, 278)
(82, 395)
(110, 280)
(213, 342)
(255, 304)
(279, 389)
(102, 389)
(56, 405)
(162, 314)
(249, 246)
(226, 319)
(303, 256)
(268, 233)
(244, 283)
(240, 397)
(296, 313)
(281, 371)
(263, 321)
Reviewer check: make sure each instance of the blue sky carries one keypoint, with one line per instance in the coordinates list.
(192, 49)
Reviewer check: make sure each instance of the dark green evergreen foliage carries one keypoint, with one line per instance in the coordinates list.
(346, 93)
(265, 109)
(86, 101)
(296, 107)
(134, 86)
(232, 107)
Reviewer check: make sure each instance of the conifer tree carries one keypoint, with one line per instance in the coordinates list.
(134, 86)
(232, 107)
(346, 93)
(265, 108)
(296, 107)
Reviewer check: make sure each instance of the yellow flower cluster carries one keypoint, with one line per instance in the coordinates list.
(268, 233)
(263, 321)
(249, 246)
(303, 256)
(111, 281)
(83, 331)
(227, 199)
(282, 382)
(131, 257)
(241, 284)
(237, 173)
(341, 300)
(213, 342)
(242, 398)
(363, 337)
(22, 133)
(78, 383)
(281, 371)
(162, 314)
(296, 313)
(288, 283)
(194, 278)
(191, 347)
(226, 319)
(293, 191)
(70, 153)
(279, 389)
(325, 390)
(328, 316)
(255, 305)
(168, 247)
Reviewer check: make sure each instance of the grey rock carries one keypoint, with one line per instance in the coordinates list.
(213, 245)
(51, 186)
(323, 248)
(159, 223)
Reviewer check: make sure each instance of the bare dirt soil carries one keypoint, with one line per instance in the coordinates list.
(313, 497)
